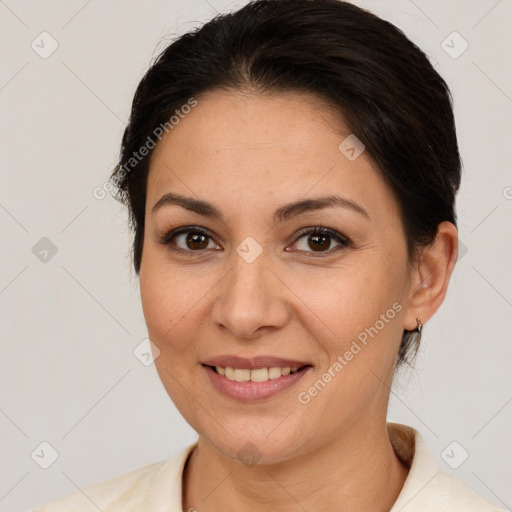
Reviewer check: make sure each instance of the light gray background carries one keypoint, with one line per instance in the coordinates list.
(70, 325)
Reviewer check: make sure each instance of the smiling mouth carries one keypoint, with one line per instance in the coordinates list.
(256, 374)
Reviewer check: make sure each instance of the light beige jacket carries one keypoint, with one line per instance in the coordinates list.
(157, 487)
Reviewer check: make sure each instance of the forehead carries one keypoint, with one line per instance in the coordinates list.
(275, 147)
(226, 120)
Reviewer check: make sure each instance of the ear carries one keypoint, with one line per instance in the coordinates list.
(431, 275)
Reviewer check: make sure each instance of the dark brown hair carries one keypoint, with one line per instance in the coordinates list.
(389, 94)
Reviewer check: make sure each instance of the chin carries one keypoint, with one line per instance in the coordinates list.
(263, 446)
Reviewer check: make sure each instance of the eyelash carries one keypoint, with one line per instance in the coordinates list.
(316, 230)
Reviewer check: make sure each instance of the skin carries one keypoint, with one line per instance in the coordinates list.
(249, 154)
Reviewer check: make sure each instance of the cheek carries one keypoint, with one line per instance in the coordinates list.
(174, 306)
(162, 303)
(343, 302)
(173, 301)
(355, 318)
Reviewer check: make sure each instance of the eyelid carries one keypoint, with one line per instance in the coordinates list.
(343, 240)
(318, 229)
(165, 240)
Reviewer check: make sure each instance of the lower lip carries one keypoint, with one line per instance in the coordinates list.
(251, 391)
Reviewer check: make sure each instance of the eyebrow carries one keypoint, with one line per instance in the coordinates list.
(280, 215)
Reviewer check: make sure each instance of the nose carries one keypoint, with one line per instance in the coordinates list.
(251, 300)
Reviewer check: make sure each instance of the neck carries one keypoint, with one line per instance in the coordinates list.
(359, 471)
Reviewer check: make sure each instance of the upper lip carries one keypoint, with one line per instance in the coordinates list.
(252, 363)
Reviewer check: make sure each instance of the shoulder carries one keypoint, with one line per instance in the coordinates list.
(427, 487)
(156, 483)
(448, 493)
(112, 494)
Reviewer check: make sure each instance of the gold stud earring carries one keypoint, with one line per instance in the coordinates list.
(419, 329)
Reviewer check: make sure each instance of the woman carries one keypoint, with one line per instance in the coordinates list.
(290, 171)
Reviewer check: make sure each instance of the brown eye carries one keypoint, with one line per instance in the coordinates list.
(188, 239)
(321, 240)
(196, 241)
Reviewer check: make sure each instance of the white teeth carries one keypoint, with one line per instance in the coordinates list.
(274, 372)
(259, 375)
(242, 375)
(256, 375)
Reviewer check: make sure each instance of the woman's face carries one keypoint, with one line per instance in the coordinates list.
(258, 290)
